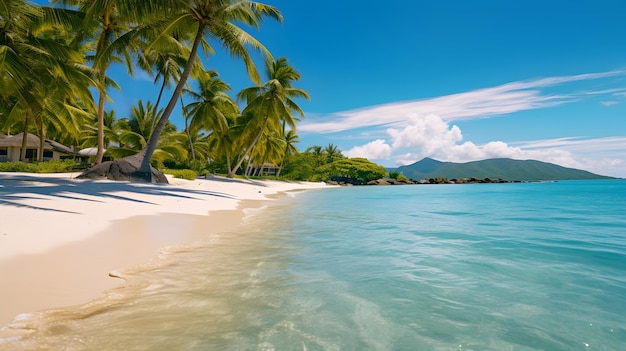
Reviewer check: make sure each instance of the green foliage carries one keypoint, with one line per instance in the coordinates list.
(182, 173)
(359, 169)
(398, 176)
(320, 164)
(300, 166)
(198, 166)
(402, 178)
(53, 166)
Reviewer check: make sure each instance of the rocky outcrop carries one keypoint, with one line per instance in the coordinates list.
(392, 181)
(125, 169)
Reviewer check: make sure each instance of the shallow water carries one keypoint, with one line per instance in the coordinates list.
(530, 266)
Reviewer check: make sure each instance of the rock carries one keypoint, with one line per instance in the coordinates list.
(125, 169)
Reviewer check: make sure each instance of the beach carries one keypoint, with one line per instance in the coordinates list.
(66, 242)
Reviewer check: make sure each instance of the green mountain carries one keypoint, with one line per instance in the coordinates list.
(496, 168)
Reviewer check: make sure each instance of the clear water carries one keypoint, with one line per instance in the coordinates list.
(530, 266)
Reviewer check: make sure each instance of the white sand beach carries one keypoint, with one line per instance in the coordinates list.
(61, 237)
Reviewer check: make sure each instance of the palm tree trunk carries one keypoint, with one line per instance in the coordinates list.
(42, 138)
(191, 149)
(280, 168)
(156, 106)
(24, 138)
(231, 174)
(145, 171)
(101, 101)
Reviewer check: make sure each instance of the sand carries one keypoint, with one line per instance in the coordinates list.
(61, 238)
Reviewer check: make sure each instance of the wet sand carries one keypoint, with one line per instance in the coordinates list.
(82, 271)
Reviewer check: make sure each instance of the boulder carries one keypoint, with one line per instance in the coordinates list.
(125, 169)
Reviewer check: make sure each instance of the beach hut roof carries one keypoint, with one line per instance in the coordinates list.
(32, 141)
(90, 151)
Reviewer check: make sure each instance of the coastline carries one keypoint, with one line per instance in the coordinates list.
(62, 240)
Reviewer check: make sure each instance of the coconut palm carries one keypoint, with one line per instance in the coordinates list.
(318, 153)
(271, 106)
(135, 131)
(291, 139)
(216, 20)
(211, 108)
(269, 150)
(41, 72)
(166, 64)
(112, 36)
(332, 153)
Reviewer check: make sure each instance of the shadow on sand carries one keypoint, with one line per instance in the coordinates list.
(16, 187)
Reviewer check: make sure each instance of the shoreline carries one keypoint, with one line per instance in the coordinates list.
(63, 240)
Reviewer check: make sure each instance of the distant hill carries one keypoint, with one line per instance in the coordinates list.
(496, 168)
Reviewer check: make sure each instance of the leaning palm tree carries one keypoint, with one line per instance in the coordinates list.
(166, 64)
(271, 105)
(216, 20)
(135, 131)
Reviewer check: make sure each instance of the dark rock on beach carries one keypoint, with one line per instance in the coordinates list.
(125, 169)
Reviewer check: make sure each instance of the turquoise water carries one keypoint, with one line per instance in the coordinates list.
(528, 266)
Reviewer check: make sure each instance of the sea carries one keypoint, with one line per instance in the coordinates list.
(516, 266)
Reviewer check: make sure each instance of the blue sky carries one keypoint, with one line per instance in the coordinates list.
(458, 81)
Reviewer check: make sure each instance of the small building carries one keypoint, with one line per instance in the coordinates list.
(268, 169)
(11, 145)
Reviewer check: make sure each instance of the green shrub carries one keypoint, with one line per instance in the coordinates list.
(53, 166)
(182, 173)
(201, 167)
(402, 178)
(359, 169)
(57, 166)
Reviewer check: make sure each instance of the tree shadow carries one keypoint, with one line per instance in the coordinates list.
(15, 188)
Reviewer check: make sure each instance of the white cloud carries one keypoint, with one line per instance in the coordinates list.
(375, 150)
(430, 136)
(609, 103)
(482, 103)
(420, 131)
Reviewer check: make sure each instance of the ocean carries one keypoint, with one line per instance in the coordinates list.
(518, 266)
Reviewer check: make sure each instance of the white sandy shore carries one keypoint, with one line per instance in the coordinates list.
(57, 233)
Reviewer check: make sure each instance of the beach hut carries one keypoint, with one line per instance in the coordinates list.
(268, 169)
(11, 145)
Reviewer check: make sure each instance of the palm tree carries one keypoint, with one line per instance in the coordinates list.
(167, 64)
(271, 105)
(291, 139)
(225, 143)
(269, 150)
(317, 152)
(112, 34)
(89, 136)
(43, 73)
(134, 133)
(212, 107)
(332, 153)
(215, 19)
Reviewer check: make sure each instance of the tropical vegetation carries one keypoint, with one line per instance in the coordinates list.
(54, 83)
